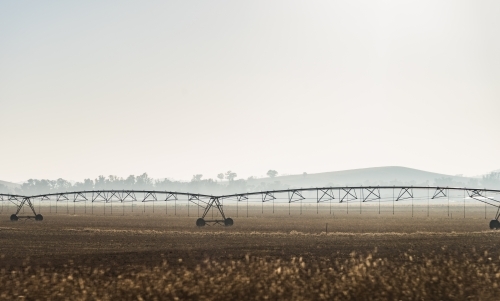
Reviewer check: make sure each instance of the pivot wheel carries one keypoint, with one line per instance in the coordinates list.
(228, 222)
(39, 217)
(200, 222)
(494, 224)
(14, 218)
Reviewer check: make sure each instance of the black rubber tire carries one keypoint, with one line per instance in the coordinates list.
(494, 224)
(200, 222)
(14, 218)
(228, 222)
(39, 217)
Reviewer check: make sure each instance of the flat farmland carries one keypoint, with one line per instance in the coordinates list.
(152, 256)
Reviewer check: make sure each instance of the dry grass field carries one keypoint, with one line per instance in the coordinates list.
(274, 257)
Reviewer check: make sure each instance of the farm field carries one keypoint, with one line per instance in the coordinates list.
(369, 256)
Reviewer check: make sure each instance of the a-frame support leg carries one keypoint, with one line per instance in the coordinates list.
(214, 202)
(26, 201)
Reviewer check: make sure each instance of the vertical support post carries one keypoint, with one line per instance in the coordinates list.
(393, 200)
(330, 204)
(448, 194)
(360, 200)
(379, 197)
(289, 202)
(347, 203)
(339, 195)
(464, 203)
(428, 200)
(486, 195)
(412, 207)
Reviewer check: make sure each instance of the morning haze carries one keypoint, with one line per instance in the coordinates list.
(179, 88)
(249, 150)
(229, 183)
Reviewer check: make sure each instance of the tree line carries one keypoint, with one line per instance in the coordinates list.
(144, 182)
(208, 186)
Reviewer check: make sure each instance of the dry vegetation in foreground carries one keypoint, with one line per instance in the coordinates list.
(157, 258)
(443, 276)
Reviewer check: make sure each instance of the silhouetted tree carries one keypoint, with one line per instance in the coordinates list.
(166, 184)
(220, 176)
(491, 180)
(272, 173)
(87, 184)
(61, 185)
(34, 187)
(196, 178)
(143, 181)
(100, 183)
(231, 175)
(4, 189)
(129, 182)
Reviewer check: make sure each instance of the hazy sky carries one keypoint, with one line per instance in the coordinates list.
(175, 88)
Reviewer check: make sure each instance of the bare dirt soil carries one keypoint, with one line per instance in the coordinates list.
(122, 247)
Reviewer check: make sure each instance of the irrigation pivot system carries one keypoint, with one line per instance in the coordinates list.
(207, 203)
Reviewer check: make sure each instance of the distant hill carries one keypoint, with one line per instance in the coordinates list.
(10, 186)
(482, 175)
(383, 176)
(388, 175)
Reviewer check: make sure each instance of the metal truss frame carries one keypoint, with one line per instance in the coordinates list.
(478, 196)
(349, 192)
(326, 195)
(241, 198)
(373, 194)
(268, 196)
(25, 201)
(296, 196)
(439, 193)
(214, 203)
(408, 191)
(194, 197)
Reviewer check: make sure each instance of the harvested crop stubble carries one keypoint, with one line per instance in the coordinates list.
(441, 276)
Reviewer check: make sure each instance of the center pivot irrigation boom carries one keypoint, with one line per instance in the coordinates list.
(209, 203)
